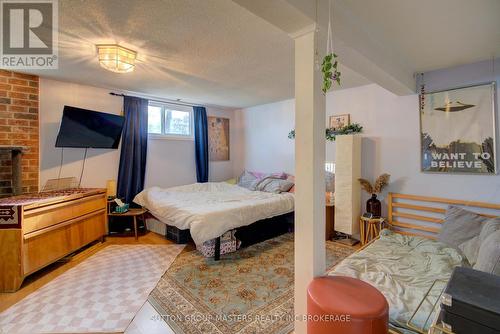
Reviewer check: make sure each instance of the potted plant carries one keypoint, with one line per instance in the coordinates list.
(331, 133)
(373, 205)
(330, 71)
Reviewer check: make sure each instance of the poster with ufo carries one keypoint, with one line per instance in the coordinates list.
(458, 130)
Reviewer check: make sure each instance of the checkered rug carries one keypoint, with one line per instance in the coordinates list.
(100, 295)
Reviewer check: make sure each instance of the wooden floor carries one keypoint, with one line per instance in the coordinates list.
(145, 322)
(42, 277)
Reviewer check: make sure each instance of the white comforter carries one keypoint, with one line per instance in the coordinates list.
(211, 209)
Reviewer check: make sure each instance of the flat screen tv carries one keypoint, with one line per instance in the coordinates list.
(89, 129)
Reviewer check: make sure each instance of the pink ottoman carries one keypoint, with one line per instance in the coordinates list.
(345, 305)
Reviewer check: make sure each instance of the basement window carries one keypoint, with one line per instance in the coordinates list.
(167, 121)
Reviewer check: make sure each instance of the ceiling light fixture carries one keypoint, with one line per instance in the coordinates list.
(116, 58)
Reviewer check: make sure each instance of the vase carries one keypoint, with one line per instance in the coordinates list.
(374, 206)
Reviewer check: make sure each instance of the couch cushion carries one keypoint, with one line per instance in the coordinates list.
(460, 225)
(488, 259)
(470, 248)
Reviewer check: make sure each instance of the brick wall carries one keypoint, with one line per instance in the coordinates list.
(19, 127)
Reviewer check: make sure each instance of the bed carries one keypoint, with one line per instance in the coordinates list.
(211, 209)
(404, 262)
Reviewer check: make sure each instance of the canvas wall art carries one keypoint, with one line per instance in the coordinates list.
(458, 130)
(339, 121)
(218, 138)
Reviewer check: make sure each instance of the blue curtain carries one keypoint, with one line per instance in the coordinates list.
(201, 143)
(134, 148)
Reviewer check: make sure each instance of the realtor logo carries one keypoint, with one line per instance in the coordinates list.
(29, 34)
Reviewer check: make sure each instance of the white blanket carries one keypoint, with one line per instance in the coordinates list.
(210, 209)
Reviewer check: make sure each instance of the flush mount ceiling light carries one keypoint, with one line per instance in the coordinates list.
(116, 58)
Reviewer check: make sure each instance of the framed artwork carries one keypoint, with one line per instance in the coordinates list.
(218, 138)
(338, 121)
(457, 129)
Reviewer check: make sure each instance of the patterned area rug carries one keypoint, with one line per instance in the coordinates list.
(100, 295)
(249, 291)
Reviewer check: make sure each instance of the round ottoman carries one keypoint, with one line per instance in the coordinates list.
(345, 305)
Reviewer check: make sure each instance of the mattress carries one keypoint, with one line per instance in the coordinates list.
(403, 268)
(209, 210)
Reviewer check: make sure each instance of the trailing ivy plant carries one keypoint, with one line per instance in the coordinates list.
(331, 74)
(331, 133)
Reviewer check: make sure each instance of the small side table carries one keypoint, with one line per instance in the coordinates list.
(134, 213)
(370, 228)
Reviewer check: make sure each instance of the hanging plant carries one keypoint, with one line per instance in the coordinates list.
(331, 133)
(329, 67)
(331, 74)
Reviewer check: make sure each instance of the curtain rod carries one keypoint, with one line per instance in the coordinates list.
(157, 100)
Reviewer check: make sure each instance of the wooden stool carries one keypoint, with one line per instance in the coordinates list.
(370, 228)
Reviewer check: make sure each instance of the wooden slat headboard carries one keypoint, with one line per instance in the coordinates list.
(423, 216)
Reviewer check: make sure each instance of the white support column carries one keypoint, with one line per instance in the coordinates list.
(310, 172)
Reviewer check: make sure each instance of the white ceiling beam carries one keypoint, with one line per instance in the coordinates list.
(352, 41)
(358, 50)
(280, 13)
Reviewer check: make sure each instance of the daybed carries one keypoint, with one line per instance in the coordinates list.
(405, 262)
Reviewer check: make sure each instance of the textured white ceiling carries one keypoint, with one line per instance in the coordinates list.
(429, 34)
(217, 52)
(209, 51)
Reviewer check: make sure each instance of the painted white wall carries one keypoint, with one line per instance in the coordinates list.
(391, 143)
(264, 145)
(170, 162)
(102, 164)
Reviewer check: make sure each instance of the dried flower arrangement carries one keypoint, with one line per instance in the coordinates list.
(380, 183)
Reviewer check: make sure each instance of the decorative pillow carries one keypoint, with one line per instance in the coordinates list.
(488, 259)
(460, 225)
(261, 175)
(231, 181)
(471, 247)
(274, 185)
(489, 227)
(247, 180)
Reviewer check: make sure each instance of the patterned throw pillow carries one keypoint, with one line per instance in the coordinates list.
(261, 175)
(274, 185)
